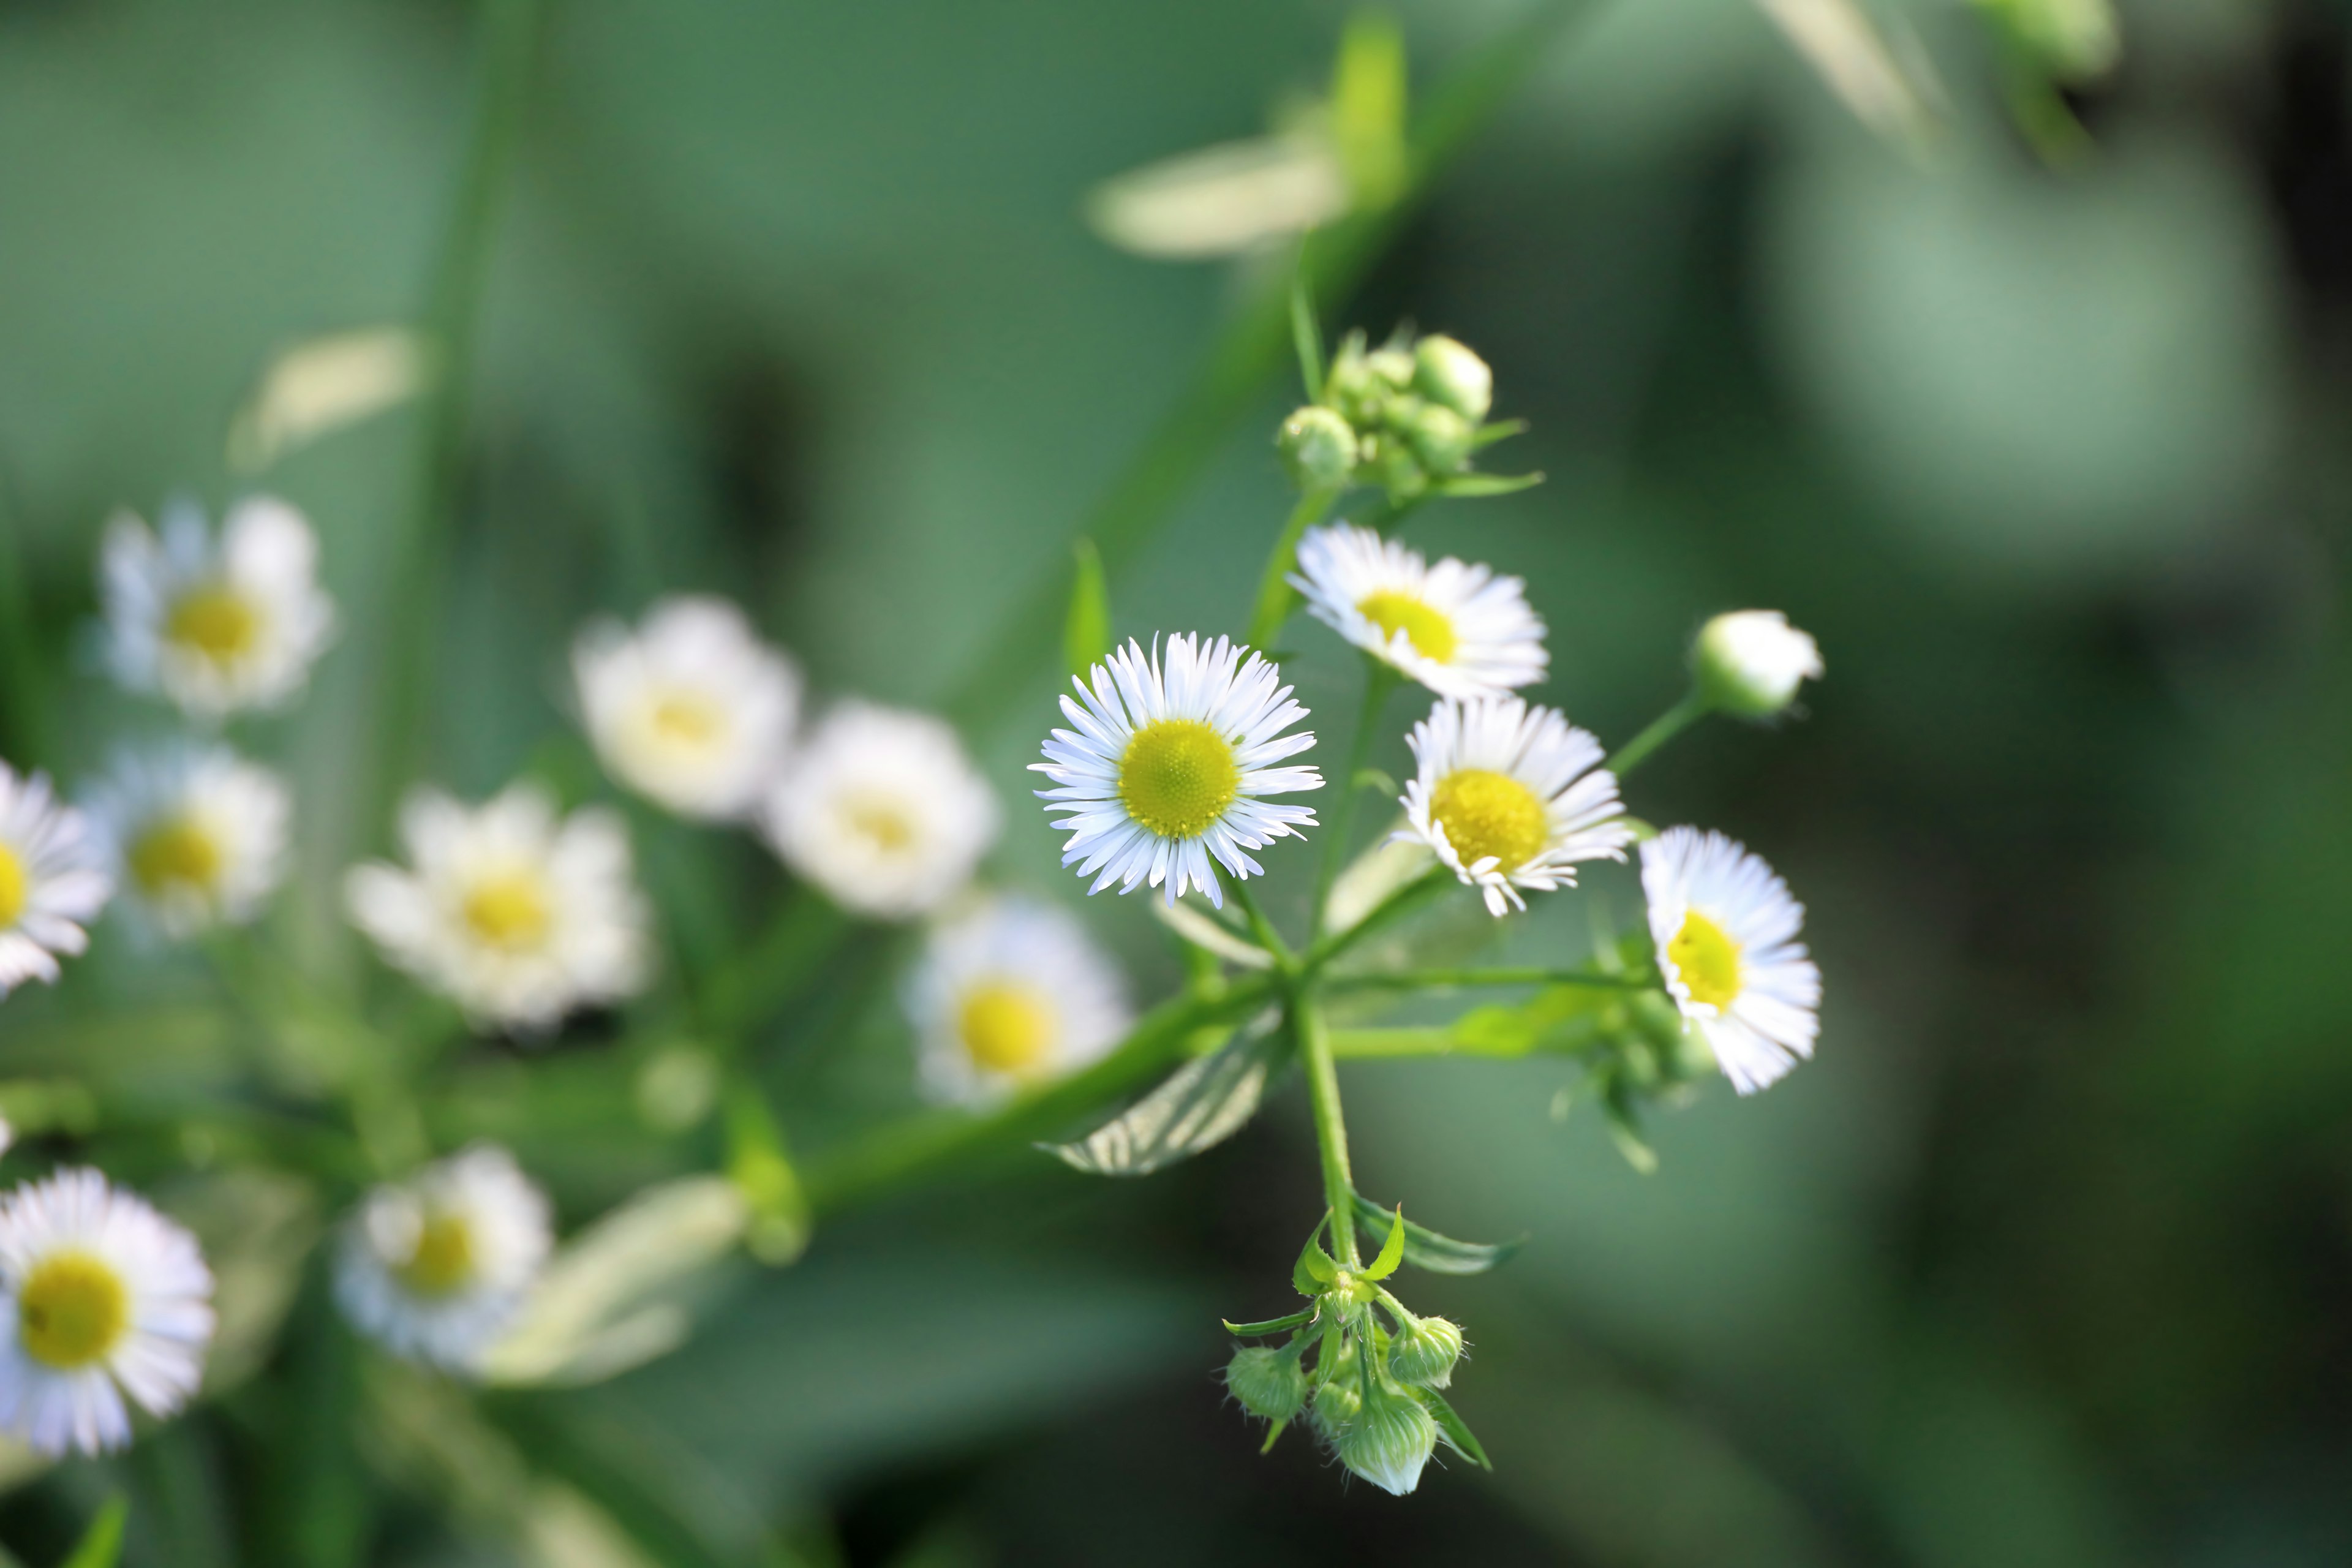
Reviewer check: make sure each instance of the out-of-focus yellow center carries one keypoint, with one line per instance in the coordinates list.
(443, 1260)
(1486, 813)
(508, 911)
(689, 720)
(214, 620)
(72, 1311)
(15, 888)
(883, 822)
(1177, 777)
(175, 852)
(1431, 633)
(1708, 960)
(1008, 1027)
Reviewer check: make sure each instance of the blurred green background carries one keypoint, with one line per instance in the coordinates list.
(2047, 1259)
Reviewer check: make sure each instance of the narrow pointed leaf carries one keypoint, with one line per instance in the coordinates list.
(1203, 1103)
(1315, 1268)
(1425, 1250)
(1271, 1326)
(101, 1544)
(1391, 1250)
(1463, 485)
(1499, 430)
(1272, 1433)
(1085, 634)
(1455, 1431)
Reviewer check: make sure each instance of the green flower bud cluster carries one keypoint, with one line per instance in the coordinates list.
(1372, 1392)
(1406, 416)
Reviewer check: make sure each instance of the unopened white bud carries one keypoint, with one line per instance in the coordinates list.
(1390, 1440)
(1448, 373)
(1320, 447)
(1425, 1353)
(1749, 663)
(1267, 1382)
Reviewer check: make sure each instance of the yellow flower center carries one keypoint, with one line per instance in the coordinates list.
(1708, 960)
(174, 851)
(882, 821)
(1431, 633)
(1486, 813)
(72, 1311)
(443, 1260)
(1177, 777)
(214, 620)
(508, 911)
(1007, 1028)
(688, 720)
(15, 888)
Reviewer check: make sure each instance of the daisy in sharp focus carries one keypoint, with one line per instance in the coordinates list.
(691, 710)
(1511, 797)
(1725, 930)
(216, 625)
(518, 913)
(1170, 764)
(196, 837)
(437, 1267)
(103, 1296)
(1009, 994)
(883, 811)
(52, 880)
(1456, 628)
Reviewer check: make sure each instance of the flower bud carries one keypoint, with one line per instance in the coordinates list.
(1449, 375)
(1353, 388)
(1320, 447)
(1440, 437)
(1390, 1440)
(1391, 464)
(1267, 1382)
(1749, 663)
(1342, 1394)
(1425, 1353)
(1392, 367)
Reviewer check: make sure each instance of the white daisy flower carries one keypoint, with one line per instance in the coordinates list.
(1749, 663)
(103, 1296)
(195, 837)
(216, 626)
(1009, 994)
(518, 913)
(52, 880)
(1511, 797)
(882, 809)
(691, 709)
(1168, 765)
(1725, 930)
(1456, 628)
(437, 1267)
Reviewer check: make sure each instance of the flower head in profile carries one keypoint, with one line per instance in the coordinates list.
(1749, 663)
(1011, 993)
(195, 837)
(216, 625)
(517, 912)
(1725, 930)
(883, 811)
(1170, 764)
(104, 1296)
(52, 880)
(1456, 628)
(436, 1267)
(1511, 797)
(691, 710)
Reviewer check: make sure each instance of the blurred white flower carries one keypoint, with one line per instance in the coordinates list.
(1749, 663)
(517, 912)
(883, 811)
(1725, 930)
(1011, 993)
(691, 709)
(1456, 628)
(195, 837)
(52, 880)
(1511, 797)
(103, 1296)
(436, 1267)
(215, 626)
(1168, 763)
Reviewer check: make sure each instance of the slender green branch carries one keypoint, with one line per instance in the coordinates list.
(1380, 679)
(1330, 1127)
(1262, 928)
(27, 728)
(1273, 589)
(1440, 979)
(1412, 896)
(1666, 727)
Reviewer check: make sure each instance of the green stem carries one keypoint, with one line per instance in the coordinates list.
(1273, 589)
(27, 733)
(1436, 979)
(1666, 727)
(1409, 897)
(1330, 1127)
(1380, 679)
(1263, 928)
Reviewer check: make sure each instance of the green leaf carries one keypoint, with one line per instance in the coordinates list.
(1391, 1250)
(1304, 334)
(1203, 1103)
(1425, 1250)
(1085, 634)
(1455, 1431)
(1465, 486)
(1315, 1268)
(102, 1544)
(1546, 1021)
(1498, 430)
(1271, 1326)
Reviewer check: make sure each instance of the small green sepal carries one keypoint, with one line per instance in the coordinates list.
(1466, 486)
(1271, 1326)
(1315, 1269)
(1391, 1250)
(1425, 1250)
(1452, 1428)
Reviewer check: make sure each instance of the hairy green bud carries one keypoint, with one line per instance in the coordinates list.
(1449, 375)
(1318, 446)
(1749, 663)
(1268, 1383)
(1391, 465)
(1391, 1439)
(1425, 1353)
(1341, 1393)
(1441, 439)
(1392, 367)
